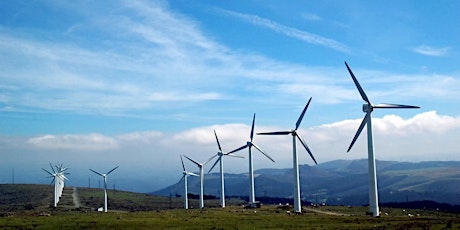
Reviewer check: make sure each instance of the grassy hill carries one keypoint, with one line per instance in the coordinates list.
(28, 207)
(38, 198)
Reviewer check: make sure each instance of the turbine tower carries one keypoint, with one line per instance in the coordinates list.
(295, 135)
(58, 176)
(200, 166)
(104, 175)
(185, 175)
(368, 107)
(220, 154)
(249, 145)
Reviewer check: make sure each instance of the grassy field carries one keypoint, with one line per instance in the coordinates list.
(233, 217)
(139, 211)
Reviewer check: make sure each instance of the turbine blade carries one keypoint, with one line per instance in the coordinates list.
(183, 166)
(363, 123)
(217, 139)
(193, 161)
(47, 171)
(361, 91)
(98, 173)
(111, 170)
(233, 155)
(276, 133)
(301, 115)
(52, 168)
(209, 159)
(306, 147)
(238, 149)
(260, 150)
(183, 176)
(252, 128)
(192, 174)
(395, 106)
(215, 163)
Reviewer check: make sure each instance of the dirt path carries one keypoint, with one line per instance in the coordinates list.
(76, 200)
(326, 212)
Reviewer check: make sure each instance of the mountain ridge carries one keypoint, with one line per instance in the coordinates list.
(343, 182)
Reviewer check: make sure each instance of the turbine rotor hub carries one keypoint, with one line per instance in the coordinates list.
(367, 108)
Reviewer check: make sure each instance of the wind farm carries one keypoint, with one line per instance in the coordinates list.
(87, 86)
(58, 179)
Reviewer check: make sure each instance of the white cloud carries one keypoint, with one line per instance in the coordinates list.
(163, 59)
(423, 137)
(291, 32)
(311, 17)
(90, 142)
(431, 51)
(328, 141)
(426, 136)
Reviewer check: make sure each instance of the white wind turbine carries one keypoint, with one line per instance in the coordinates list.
(220, 154)
(185, 175)
(58, 176)
(104, 175)
(200, 166)
(297, 203)
(249, 145)
(368, 107)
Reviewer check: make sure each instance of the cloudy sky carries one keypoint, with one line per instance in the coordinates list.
(96, 84)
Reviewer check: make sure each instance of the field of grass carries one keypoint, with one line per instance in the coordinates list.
(140, 211)
(233, 217)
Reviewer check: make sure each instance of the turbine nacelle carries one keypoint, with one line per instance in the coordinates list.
(367, 108)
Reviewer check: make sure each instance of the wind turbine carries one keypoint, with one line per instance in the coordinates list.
(220, 154)
(297, 204)
(200, 166)
(185, 175)
(249, 145)
(368, 107)
(104, 175)
(58, 176)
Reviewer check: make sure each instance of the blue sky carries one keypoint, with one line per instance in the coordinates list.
(136, 83)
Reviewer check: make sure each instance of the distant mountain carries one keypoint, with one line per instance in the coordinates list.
(343, 182)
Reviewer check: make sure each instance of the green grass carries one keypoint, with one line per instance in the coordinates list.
(140, 211)
(233, 217)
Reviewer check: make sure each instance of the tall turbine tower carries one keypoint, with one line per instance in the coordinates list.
(185, 175)
(220, 154)
(201, 167)
(295, 135)
(368, 107)
(249, 145)
(104, 175)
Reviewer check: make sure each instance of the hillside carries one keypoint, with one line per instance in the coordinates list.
(38, 198)
(343, 182)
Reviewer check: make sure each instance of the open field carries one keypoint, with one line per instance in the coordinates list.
(141, 211)
(233, 217)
